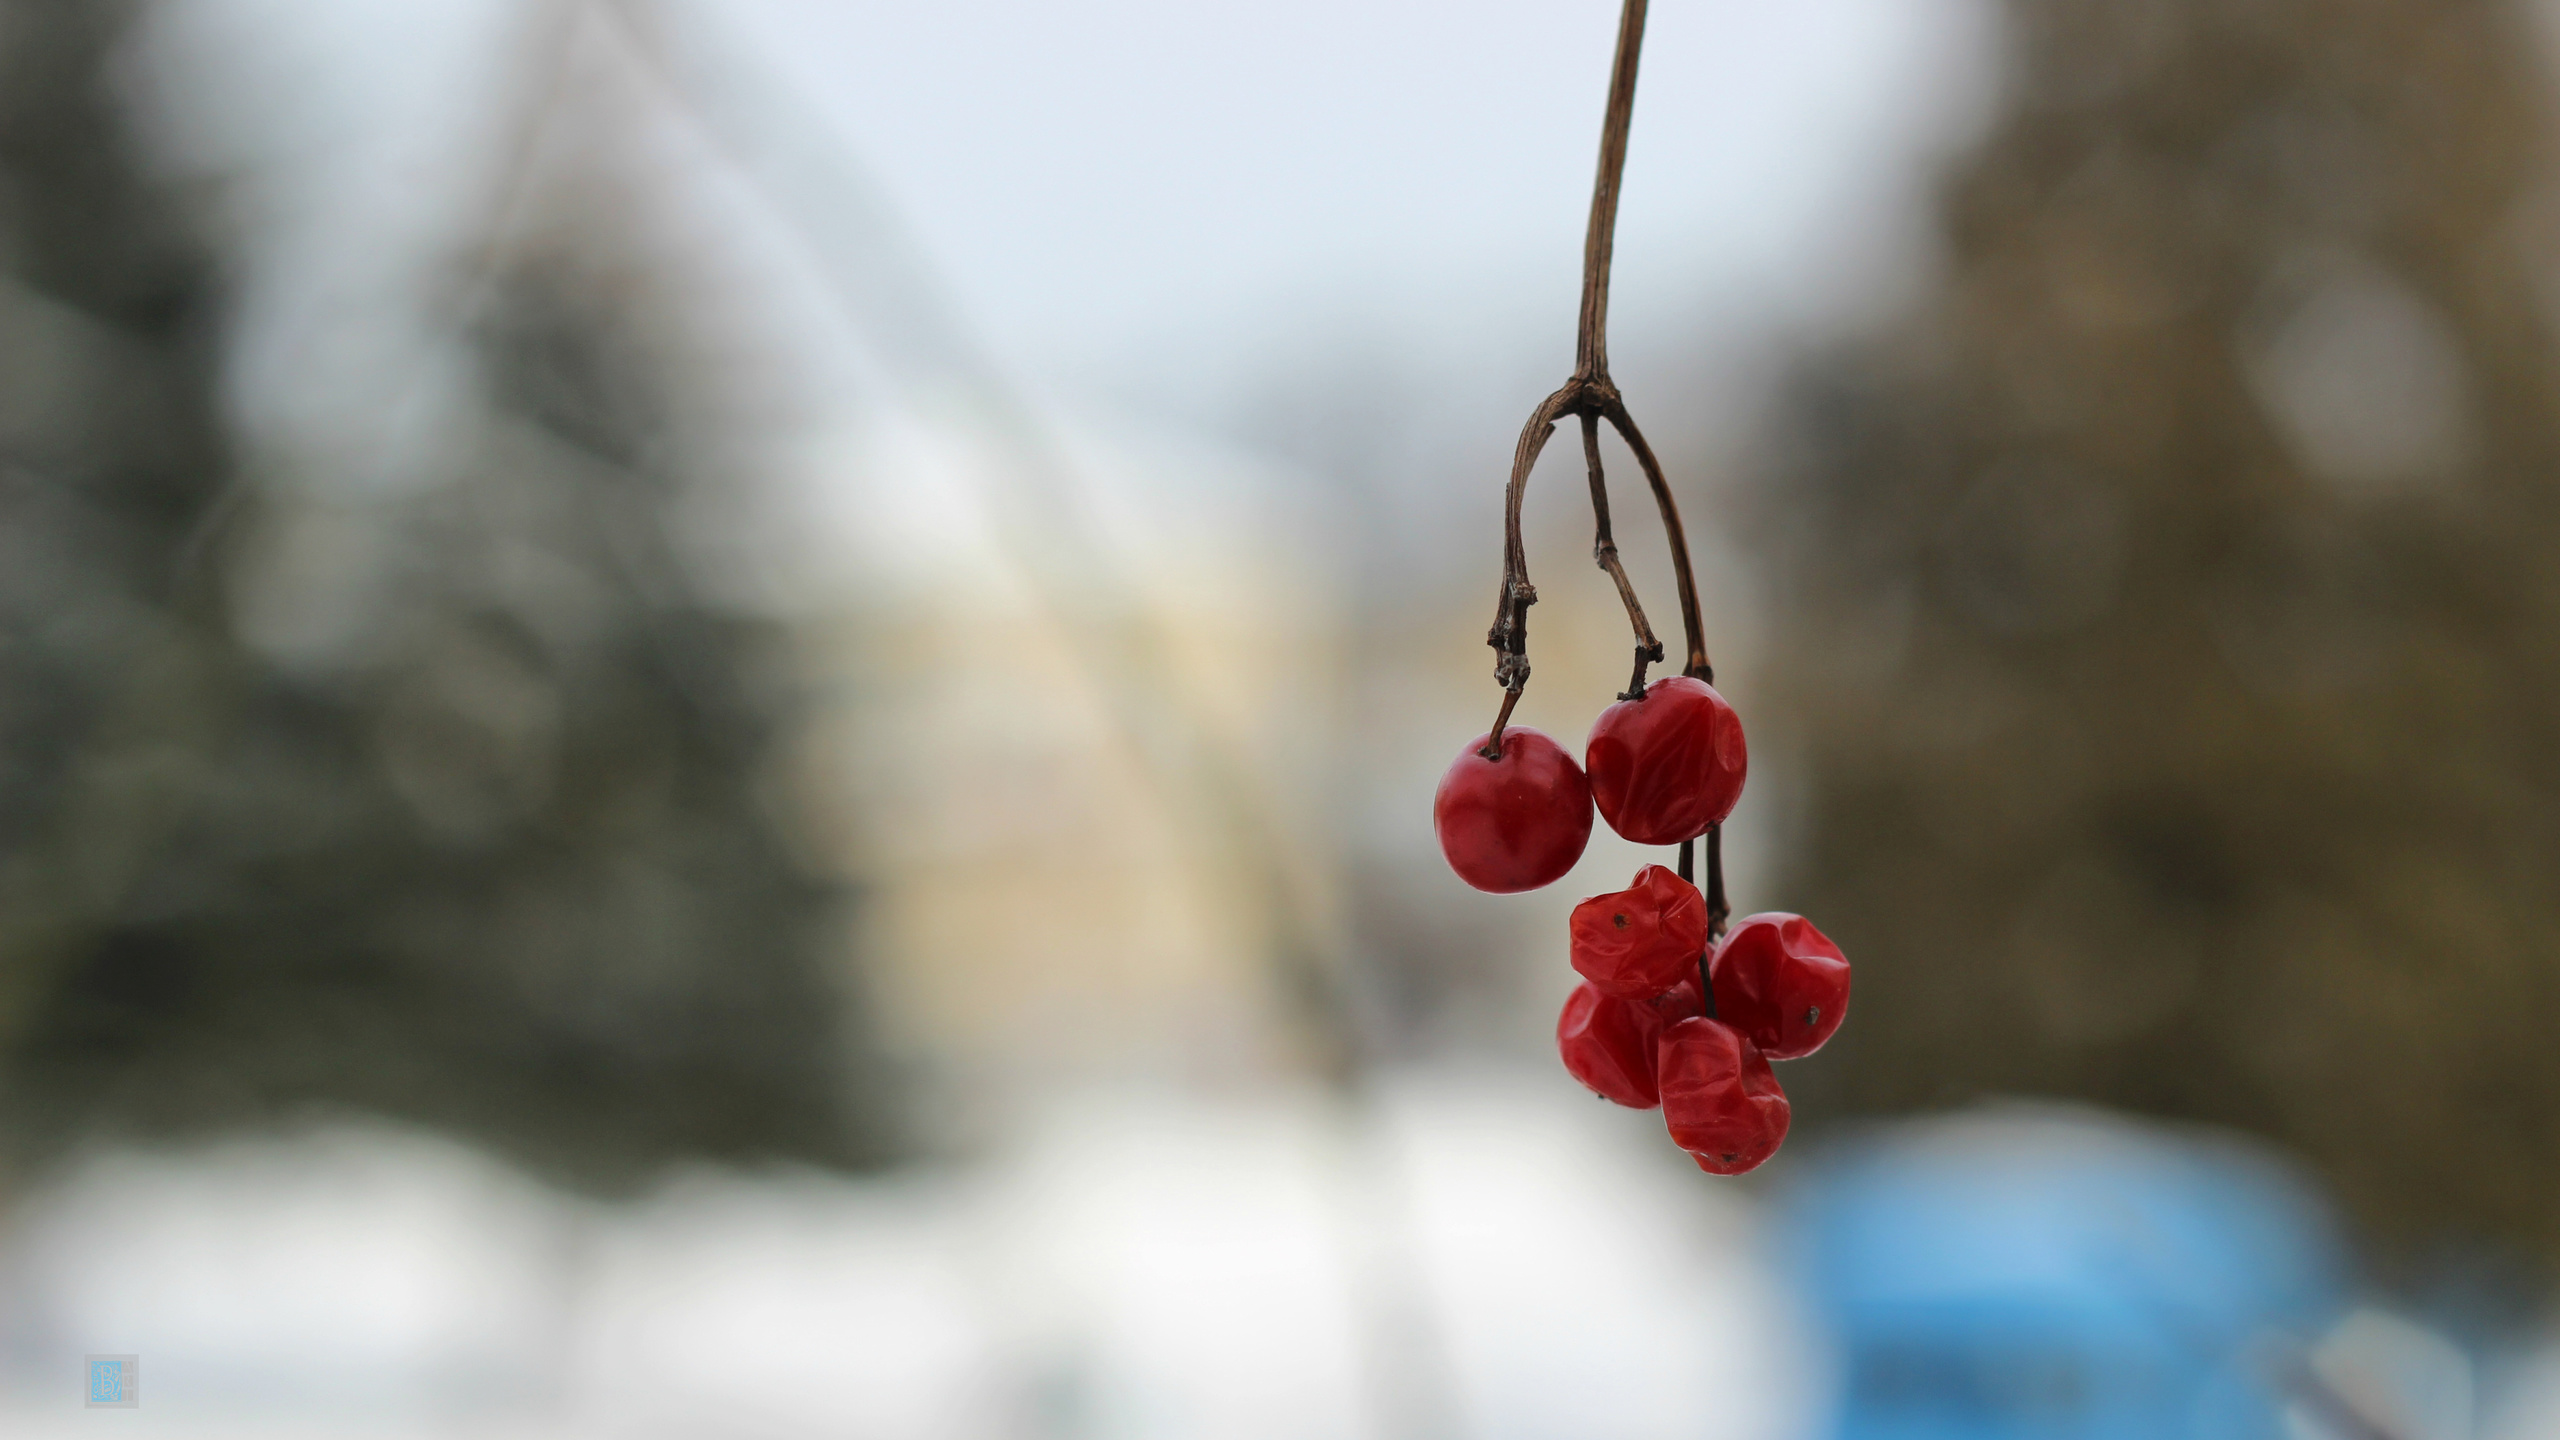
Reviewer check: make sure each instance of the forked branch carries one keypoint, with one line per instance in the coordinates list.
(1591, 397)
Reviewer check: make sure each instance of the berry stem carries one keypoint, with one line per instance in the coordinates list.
(1715, 913)
(1673, 531)
(1493, 743)
(1509, 636)
(1604, 549)
(1591, 341)
(1718, 910)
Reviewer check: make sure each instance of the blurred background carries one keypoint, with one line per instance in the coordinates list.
(716, 719)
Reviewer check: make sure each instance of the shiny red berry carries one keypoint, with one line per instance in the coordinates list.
(1667, 767)
(1609, 1044)
(1719, 1100)
(1638, 942)
(1679, 1002)
(1514, 823)
(1781, 982)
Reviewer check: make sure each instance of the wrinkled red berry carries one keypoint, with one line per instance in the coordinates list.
(1781, 982)
(1679, 1002)
(1638, 942)
(1515, 823)
(1719, 1100)
(1609, 1044)
(1666, 768)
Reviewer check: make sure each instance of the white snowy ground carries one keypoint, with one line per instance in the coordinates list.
(1486, 1257)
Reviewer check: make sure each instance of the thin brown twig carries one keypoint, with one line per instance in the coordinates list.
(1604, 549)
(1719, 909)
(1715, 913)
(1673, 530)
(1509, 636)
(1591, 340)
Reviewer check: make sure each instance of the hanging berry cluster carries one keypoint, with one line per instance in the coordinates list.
(1675, 1009)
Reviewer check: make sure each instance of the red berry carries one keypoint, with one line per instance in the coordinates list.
(1515, 823)
(1781, 982)
(1609, 1044)
(1679, 1002)
(1718, 1098)
(1638, 942)
(1666, 768)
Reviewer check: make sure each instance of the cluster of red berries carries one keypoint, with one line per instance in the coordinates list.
(1669, 1013)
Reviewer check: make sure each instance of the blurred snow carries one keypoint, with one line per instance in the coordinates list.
(1474, 1254)
(2531, 1407)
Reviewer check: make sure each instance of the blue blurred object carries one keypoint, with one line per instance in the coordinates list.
(2060, 1275)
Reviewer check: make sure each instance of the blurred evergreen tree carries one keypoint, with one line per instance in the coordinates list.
(510, 876)
(2169, 610)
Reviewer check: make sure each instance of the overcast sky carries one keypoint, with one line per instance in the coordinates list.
(1170, 184)
(1157, 194)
